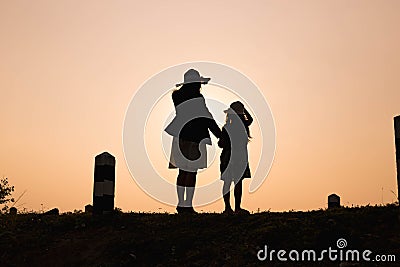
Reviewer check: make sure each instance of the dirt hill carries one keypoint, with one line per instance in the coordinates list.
(137, 239)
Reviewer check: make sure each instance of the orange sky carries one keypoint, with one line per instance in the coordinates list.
(329, 70)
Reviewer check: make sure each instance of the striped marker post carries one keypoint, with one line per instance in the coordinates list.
(104, 184)
(397, 142)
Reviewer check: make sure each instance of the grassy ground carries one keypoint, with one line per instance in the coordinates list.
(132, 239)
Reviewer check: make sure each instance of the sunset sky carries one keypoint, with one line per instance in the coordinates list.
(330, 71)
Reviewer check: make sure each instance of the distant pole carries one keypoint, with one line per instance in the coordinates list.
(104, 184)
(397, 142)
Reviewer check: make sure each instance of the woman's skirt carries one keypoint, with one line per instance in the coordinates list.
(187, 155)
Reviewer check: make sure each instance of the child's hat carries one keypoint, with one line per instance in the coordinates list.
(236, 107)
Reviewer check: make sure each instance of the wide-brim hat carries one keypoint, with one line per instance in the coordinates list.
(193, 76)
(236, 107)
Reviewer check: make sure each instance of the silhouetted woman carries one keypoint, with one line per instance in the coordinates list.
(234, 164)
(190, 134)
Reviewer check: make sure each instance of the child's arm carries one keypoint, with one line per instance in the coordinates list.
(223, 139)
(248, 117)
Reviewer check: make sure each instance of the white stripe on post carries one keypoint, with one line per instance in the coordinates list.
(98, 189)
(108, 188)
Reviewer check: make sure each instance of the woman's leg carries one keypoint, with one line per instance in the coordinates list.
(238, 195)
(226, 194)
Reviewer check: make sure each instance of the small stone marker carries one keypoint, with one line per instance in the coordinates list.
(88, 208)
(54, 211)
(104, 184)
(333, 201)
(13, 210)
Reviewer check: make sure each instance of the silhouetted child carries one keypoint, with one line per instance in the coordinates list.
(234, 164)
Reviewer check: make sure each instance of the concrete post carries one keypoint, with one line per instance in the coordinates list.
(397, 142)
(104, 184)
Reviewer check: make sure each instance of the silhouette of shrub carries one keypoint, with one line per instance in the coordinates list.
(6, 191)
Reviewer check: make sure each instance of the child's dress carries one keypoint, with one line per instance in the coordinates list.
(234, 168)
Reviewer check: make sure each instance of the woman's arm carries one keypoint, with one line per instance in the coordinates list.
(213, 126)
